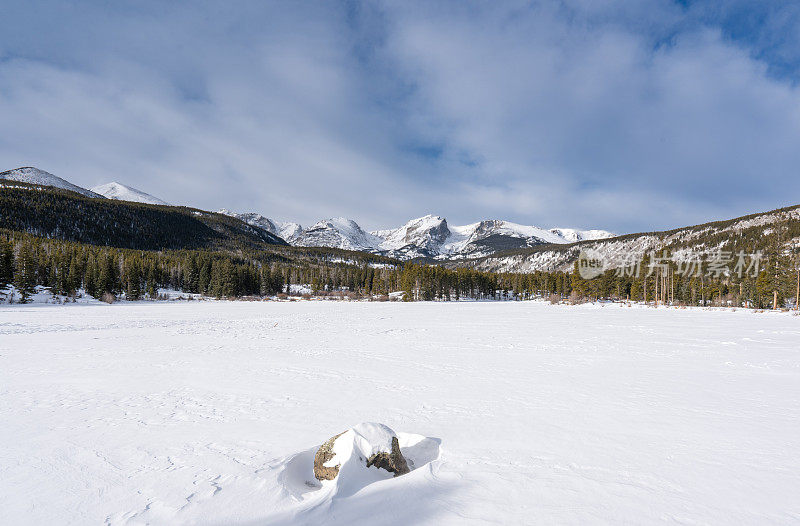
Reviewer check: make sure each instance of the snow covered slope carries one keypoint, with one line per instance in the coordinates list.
(571, 235)
(285, 230)
(209, 413)
(32, 175)
(122, 192)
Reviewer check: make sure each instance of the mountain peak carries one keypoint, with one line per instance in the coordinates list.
(32, 175)
(422, 236)
(121, 192)
(429, 220)
(337, 232)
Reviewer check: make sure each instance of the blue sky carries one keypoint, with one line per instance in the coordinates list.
(629, 116)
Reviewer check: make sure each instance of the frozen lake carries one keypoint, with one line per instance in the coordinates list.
(189, 412)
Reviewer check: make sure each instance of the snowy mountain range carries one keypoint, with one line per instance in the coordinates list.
(122, 192)
(425, 237)
(429, 236)
(491, 245)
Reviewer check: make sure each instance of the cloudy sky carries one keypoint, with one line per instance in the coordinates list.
(629, 116)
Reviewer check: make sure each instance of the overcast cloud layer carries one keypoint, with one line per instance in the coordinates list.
(629, 116)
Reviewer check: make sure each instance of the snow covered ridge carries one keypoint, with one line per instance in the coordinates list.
(429, 236)
(32, 175)
(708, 237)
(122, 192)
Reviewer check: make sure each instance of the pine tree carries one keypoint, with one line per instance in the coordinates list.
(6, 264)
(133, 280)
(73, 280)
(62, 278)
(152, 281)
(190, 277)
(223, 279)
(90, 278)
(204, 278)
(107, 278)
(25, 275)
(407, 283)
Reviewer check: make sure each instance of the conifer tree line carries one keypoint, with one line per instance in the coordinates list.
(66, 267)
(430, 282)
(776, 284)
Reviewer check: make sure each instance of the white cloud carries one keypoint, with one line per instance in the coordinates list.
(559, 113)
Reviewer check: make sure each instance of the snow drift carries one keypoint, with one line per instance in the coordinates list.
(356, 481)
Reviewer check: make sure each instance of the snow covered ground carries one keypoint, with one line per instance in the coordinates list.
(10, 294)
(207, 412)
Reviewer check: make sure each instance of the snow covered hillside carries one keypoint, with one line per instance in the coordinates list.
(122, 192)
(753, 231)
(40, 177)
(205, 413)
(428, 236)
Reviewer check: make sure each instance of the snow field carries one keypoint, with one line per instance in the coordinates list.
(207, 412)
